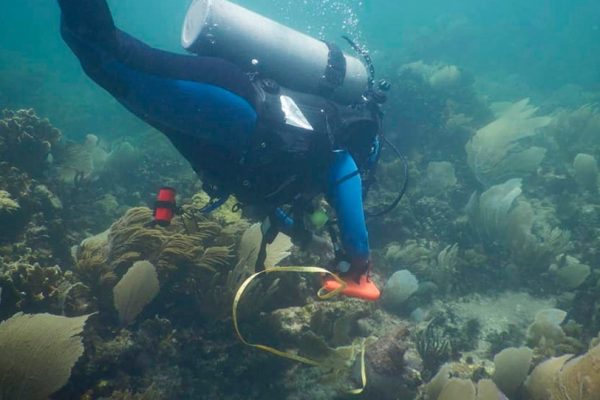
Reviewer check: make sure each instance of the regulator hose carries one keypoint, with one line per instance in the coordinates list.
(365, 55)
(371, 68)
(402, 191)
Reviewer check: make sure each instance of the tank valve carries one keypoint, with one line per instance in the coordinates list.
(384, 85)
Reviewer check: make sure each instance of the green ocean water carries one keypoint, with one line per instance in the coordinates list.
(539, 45)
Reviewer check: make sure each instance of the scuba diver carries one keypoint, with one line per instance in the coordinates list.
(273, 128)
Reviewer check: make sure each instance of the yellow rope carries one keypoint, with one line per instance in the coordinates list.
(363, 370)
(323, 295)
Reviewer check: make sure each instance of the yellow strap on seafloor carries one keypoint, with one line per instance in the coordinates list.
(321, 295)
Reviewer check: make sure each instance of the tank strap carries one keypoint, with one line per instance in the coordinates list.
(335, 72)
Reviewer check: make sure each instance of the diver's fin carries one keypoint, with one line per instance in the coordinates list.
(364, 289)
(89, 20)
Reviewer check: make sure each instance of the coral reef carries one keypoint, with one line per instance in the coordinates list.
(388, 367)
(33, 288)
(518, 266)
(31, 214)
(183, 261)
(26, 141)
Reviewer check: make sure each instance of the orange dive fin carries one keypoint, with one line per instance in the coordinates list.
(365, 289)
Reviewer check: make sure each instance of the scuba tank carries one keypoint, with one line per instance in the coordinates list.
(295, 60)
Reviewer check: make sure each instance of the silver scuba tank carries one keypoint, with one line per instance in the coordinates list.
(223, 29)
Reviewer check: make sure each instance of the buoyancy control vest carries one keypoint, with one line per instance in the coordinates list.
(290, 150)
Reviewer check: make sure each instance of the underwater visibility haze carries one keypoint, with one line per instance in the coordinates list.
(127, 272)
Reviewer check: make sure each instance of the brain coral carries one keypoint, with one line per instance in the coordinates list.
(567, 379)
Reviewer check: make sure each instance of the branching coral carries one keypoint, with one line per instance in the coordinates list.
(33, 288)
(26, 140)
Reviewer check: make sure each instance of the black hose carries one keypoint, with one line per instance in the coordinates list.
(371, 68)
(398, 198)
(365, 55)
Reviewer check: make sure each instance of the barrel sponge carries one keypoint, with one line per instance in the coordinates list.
(37, 353)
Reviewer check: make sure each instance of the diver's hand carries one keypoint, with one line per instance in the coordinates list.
(353, 270)
(321, 246)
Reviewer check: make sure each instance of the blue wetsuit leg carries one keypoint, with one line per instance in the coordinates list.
(186, 97)
(346, 199)
(345, 195)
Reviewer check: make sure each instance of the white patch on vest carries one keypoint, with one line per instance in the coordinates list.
(293, 115)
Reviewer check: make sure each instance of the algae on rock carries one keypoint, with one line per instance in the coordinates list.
(7, 204)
